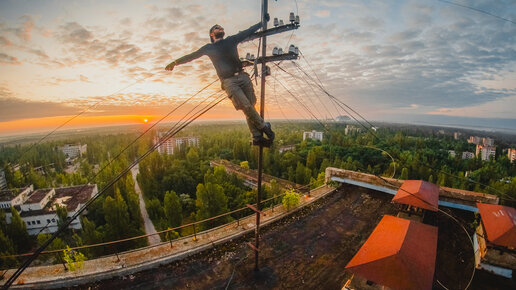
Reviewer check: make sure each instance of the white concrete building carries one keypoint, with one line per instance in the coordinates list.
(474, 140)
(468, 155)
(452, 153)
(314, 135)
(3, 181)
(72, 151)
(286, 148)
(12, 197)
(488, 141)
(511, 153)
(485, 152)
(352, 129)
(38, 208)
(171, 144)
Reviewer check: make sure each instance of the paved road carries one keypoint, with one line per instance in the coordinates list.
(149, 226)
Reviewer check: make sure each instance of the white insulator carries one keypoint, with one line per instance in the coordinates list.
(280, 50)
(297, 50)
(281, 22)
(291, 17)
(291, 49)
(248, 56)
(297, 20)
(252, 56)
(276, 22)
(275, 51)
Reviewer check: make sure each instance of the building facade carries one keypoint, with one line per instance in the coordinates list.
(314, 135)
(3, 181)
(72, 151)
(511, 153)
(38, 208)
(468, 155)
(485, 152)
(173, 144)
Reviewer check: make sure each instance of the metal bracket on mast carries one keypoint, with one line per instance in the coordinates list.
(272, 31)
(261, 59)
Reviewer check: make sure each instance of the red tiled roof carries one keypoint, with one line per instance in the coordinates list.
(500, 223)
(422, 194)
(399, 254)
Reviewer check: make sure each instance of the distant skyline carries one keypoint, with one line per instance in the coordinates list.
(389, 60)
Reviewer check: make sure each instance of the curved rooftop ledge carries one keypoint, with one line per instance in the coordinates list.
(54, 276)
(450, 197)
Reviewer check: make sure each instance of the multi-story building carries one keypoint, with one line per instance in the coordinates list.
(485, 152)
(468, 155)
(314, 135)
(352, 129)
(38, 207)
(171, 144)
(72, 151)
(511, 153)
(456, 135)
(286, 148)
(452, 153)
(3, 181)
(487, 141)
(474, 139)
(14, 197)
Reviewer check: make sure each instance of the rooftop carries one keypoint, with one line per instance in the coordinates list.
(38, 195)
(9, 194)
(500, 224)
(72, 196)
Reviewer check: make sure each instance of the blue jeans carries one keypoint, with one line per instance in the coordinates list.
(240, 90)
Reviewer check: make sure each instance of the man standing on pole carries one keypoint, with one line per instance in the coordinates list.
(223, 53)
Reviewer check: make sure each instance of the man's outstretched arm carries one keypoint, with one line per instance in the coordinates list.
(242, 35)
(186, 58)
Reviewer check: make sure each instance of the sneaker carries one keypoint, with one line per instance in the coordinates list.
(262, 141)
(268, 131)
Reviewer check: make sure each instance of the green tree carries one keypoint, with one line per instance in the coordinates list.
(290, 200)
(244, 164)
(404, 174)
(90, 235)
(62, 215)
(173, 209)
(117, 217)
(211, 201)
(17, 231)
(73, 258)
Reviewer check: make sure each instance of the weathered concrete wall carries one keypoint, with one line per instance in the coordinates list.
(465, 197)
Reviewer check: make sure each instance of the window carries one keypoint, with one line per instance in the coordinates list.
(33, 222)
(38, 222)
(28, 223)
(48, 221)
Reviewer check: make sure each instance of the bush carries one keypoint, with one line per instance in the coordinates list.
(290, 200)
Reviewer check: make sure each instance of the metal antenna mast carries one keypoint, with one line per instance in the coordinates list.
(292, 54)
(265, 7)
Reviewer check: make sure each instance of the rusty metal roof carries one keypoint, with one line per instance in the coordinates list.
(500, 223)
(418, 193)
(399, 254)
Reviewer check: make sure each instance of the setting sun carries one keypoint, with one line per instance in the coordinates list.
(145, 120)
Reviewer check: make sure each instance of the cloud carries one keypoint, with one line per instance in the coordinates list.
(4, 41)
(7, 59)
(16, 109)
(25, 32)
(323, 13)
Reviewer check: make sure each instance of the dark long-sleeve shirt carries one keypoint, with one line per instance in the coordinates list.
(223, 53)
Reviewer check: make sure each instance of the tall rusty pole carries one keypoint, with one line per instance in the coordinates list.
(265, 4)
